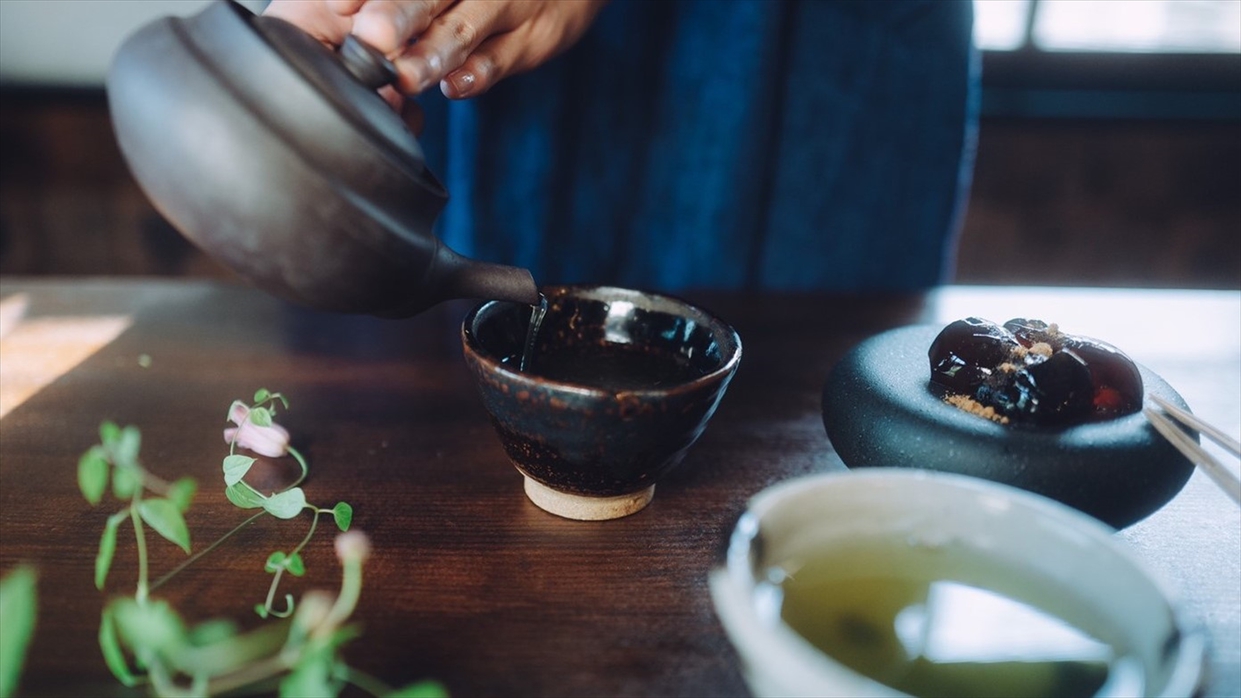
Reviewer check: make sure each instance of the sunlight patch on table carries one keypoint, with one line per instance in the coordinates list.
(34, 352)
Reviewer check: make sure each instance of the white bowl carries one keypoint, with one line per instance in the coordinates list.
(1065, 550)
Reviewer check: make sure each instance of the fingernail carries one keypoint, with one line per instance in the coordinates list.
(429, 69)
(462, 83)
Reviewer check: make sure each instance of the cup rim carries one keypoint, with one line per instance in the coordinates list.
(718, 326)
(732, 577)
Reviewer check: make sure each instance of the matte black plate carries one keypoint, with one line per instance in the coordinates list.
(879, 410)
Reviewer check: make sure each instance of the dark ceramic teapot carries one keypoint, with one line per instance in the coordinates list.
(275, 155)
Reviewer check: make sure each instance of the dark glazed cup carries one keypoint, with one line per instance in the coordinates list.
(620, 385)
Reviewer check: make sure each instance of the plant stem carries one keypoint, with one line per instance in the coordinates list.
(363, 680)
(271, 592)
(300, 461)
(153, 482)
(247, 675)
(140, 537)
(163, 684)
(350, 591)
(313, 523)
(275, 582)
(160, 582)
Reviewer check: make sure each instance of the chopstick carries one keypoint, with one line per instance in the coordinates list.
(1217, 471)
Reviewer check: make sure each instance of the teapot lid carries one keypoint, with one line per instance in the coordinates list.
(347, 79)
(321, 102)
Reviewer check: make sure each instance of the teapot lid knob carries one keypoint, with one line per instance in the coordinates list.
(366, 63)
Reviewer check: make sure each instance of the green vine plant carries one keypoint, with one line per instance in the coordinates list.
(256, 431)
(19, 602)
(146, 642)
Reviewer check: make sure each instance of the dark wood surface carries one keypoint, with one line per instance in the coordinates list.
(470, 583)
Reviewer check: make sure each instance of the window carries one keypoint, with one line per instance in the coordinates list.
(1164, 59)
(1139, 26)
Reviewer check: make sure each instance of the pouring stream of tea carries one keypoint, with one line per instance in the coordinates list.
(537, 312)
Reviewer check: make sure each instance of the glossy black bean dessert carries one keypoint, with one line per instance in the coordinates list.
(1029, 372)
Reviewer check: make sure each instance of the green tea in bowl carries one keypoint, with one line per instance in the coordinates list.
(898, 582)
(943, 621)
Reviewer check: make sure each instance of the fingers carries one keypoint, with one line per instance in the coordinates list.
(528, 45)
(345, 8)
(395, 99)
(464, 45)
(388, 25)
(497, 58)
(491, 62)
(447, 41)
(412, 115)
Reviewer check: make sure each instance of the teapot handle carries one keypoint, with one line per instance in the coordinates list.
(366, 63)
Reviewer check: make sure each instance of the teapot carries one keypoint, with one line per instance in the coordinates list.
(276, 156)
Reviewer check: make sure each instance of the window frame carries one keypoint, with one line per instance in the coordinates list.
(1031, 82)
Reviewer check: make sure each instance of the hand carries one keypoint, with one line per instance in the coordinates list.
(466, 46)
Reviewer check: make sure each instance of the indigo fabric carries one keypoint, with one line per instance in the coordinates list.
(728, 144)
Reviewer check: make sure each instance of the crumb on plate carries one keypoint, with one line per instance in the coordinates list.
(969, 404)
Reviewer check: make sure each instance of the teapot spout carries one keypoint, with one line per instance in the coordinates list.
(484, 280)
(455, 276)
(452, 276)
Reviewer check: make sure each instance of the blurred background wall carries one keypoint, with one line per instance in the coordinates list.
(1109, 150)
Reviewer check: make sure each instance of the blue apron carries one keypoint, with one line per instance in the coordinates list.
(724, 144)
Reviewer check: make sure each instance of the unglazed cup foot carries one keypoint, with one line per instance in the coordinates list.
(582, 508)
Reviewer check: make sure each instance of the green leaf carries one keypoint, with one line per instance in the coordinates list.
(260, 417)
(343, 635)
(343, 513)
(181, 493)
(93, 474)
(422, 689)
(152, 626)
(212, 631)
(125, 481)
(295, 566)
(244, 496)
(125, 451)
(110, 645)
(287, 504)
(235, 468)
(261, 610)
(310, 678)
(274, 561)
(109, 434)
(261, 395)
(19, 602)
(107, 546)
(166, 519)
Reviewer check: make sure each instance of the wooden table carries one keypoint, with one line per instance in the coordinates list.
(470, 583)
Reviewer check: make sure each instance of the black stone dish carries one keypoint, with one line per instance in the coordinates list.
(599, 451)
(879, 410)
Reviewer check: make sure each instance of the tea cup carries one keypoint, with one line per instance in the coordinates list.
(620, 383)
